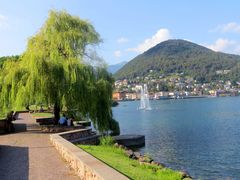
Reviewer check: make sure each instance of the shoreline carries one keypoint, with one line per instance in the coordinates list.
(176, 98)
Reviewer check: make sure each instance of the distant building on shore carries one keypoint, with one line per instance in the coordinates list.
(119, 96)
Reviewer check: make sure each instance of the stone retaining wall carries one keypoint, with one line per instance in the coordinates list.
(81, 136)
(58, 128)
(75, 134)
(85, 165)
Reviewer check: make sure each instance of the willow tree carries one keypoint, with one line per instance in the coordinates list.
(52, 71)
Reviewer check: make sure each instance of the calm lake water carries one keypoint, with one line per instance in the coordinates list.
(201, 136)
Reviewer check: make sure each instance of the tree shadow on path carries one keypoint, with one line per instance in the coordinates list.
(14, 163)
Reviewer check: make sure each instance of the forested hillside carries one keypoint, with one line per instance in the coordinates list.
(180, 56)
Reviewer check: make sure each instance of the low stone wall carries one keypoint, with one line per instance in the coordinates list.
(81, 136)
(58, 128)
(23, 111)
(76, 134)
(85, 165)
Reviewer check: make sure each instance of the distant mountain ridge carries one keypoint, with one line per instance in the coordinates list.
(180, 56)
(115, 67)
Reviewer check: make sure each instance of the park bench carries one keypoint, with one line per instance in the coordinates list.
(84, 123)
(3, 125)
(45, 121)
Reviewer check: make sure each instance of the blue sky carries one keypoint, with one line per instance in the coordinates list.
(128, 27)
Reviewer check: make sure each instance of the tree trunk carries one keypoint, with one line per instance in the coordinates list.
(56, 112)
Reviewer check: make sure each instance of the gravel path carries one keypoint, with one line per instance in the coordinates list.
(28, 154)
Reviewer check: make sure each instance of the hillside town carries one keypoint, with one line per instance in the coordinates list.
(175, 86)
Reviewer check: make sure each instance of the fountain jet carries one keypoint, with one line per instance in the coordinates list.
(144, 102)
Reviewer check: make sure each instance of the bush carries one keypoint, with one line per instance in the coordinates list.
(106, 141)
(114, 127)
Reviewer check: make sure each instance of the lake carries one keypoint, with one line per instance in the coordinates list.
(201, 136)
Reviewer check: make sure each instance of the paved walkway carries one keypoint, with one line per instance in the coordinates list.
(28, 154)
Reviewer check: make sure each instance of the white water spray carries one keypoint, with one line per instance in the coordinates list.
(144, 102)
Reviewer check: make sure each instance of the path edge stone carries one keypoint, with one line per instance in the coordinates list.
(85, 165)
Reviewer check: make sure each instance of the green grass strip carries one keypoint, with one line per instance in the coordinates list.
(47, 115)
(116, 158)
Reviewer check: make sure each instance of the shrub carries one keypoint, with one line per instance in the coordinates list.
(114, 127)
(106, 141)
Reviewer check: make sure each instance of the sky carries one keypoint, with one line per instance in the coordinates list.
(128, 27)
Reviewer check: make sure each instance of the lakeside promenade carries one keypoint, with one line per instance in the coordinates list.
(28, 154)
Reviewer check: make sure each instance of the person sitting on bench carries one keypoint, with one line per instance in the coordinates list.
(63, 120)
(41, 109)
(70, 120)
(10, 118)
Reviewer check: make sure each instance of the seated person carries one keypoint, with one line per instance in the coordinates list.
(70, 121)
(27, 107)
(41, 109)
(10, 118)
(63, 120)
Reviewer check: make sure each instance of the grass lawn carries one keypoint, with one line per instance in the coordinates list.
(47, 115)
(116, 158)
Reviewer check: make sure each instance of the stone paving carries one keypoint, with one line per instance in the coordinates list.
(29, 155)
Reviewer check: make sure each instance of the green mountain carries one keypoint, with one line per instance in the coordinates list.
(180, 56)
(115, 67)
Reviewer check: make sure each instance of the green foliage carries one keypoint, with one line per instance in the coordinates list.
(7, 58)
(106, 141)
(116, 158)
(234, 75)
(2, 115)
(114, 127)
(179, 56)
(52, 71)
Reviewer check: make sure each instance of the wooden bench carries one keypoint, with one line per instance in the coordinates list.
(84, 123)
(45, 121)
(3, 125)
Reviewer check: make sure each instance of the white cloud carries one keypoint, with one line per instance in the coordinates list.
(117, 53)
(3, 20)
(237, 49)
(229, 27)
(122, 40)
(222, 45)
(160, 36)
